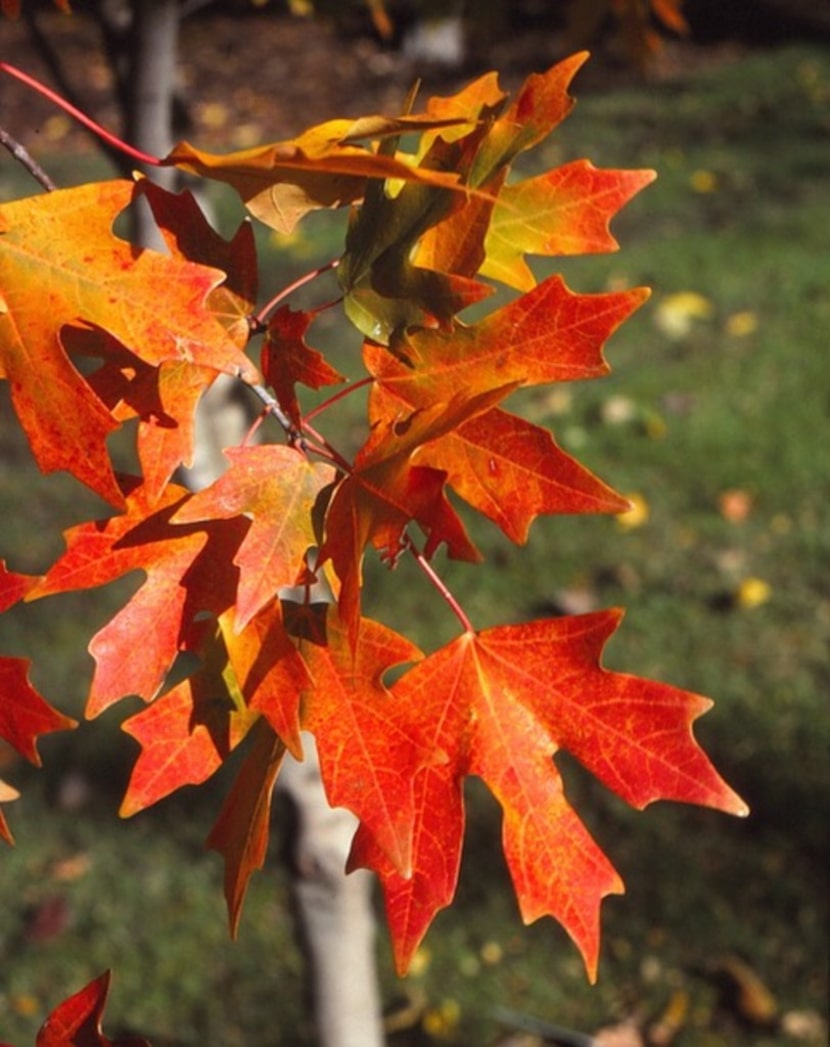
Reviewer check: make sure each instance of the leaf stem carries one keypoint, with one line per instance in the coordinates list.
(22, 155)
(347, 391)
(81, 117)
(261, 318)
(439, 584)
(325, 449)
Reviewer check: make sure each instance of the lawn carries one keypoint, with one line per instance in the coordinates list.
(713, 418)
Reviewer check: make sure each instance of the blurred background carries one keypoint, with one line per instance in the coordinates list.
(712, 422)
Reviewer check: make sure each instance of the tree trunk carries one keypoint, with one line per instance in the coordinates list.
(338, 924)
(151, 87)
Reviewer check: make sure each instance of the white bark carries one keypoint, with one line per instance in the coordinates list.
(154, 36)
(336, 911)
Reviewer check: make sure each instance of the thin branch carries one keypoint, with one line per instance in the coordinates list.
(325, 449)
(107, 136)
(21, 154)
(438, 583)
(339, 395)
(273, 408)
(261, 318)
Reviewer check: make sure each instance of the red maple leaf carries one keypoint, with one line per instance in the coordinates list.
(287, 360)
(368, 756)
(385, 490)
(241, 831)
(189, 572)
(499, 704)
(77, 1021)
(276, 487)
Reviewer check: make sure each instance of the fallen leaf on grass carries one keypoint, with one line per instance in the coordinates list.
(676, 314)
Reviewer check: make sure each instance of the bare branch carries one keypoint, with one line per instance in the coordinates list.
(22, 155)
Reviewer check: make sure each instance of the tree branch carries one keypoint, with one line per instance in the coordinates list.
(22, 155)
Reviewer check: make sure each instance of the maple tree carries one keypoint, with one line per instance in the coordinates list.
(258, 577)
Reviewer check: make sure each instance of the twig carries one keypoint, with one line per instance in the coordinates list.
(273, 408)
(107, 136)
(554, 1034)
(339, 395)
(261, 319)
(438, 583)
(22, 155)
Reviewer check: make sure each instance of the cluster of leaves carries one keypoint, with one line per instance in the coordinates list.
(257, 579)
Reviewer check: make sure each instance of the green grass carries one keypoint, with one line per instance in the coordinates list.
(706, 412)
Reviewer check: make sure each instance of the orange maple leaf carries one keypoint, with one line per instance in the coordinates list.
(512, 471)
(368, 756)
(276, 487)
(189, 571)
(565, 211)
(324, 167)
(549, 334)
(61, 265)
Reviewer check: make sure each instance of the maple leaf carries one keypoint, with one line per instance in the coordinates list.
(13, 586)
(368, 758)
(565, 211)
(540, 105)
(549, 334)
(287, 359)
(241, 831)
(190, 730)
(61, 265)
(384, 290)
(163, 399)
(190, 237)
(511, 471)
(186, 733)
(562, 211)
(502, 465)
(269, 672)
(77, 1021)
(277, 487)
(188, 572)
(321, 168)
(24, 714)
(499, 704)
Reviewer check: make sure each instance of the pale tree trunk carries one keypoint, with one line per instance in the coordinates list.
(337, 920)
(151, 88)
(338, 925)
